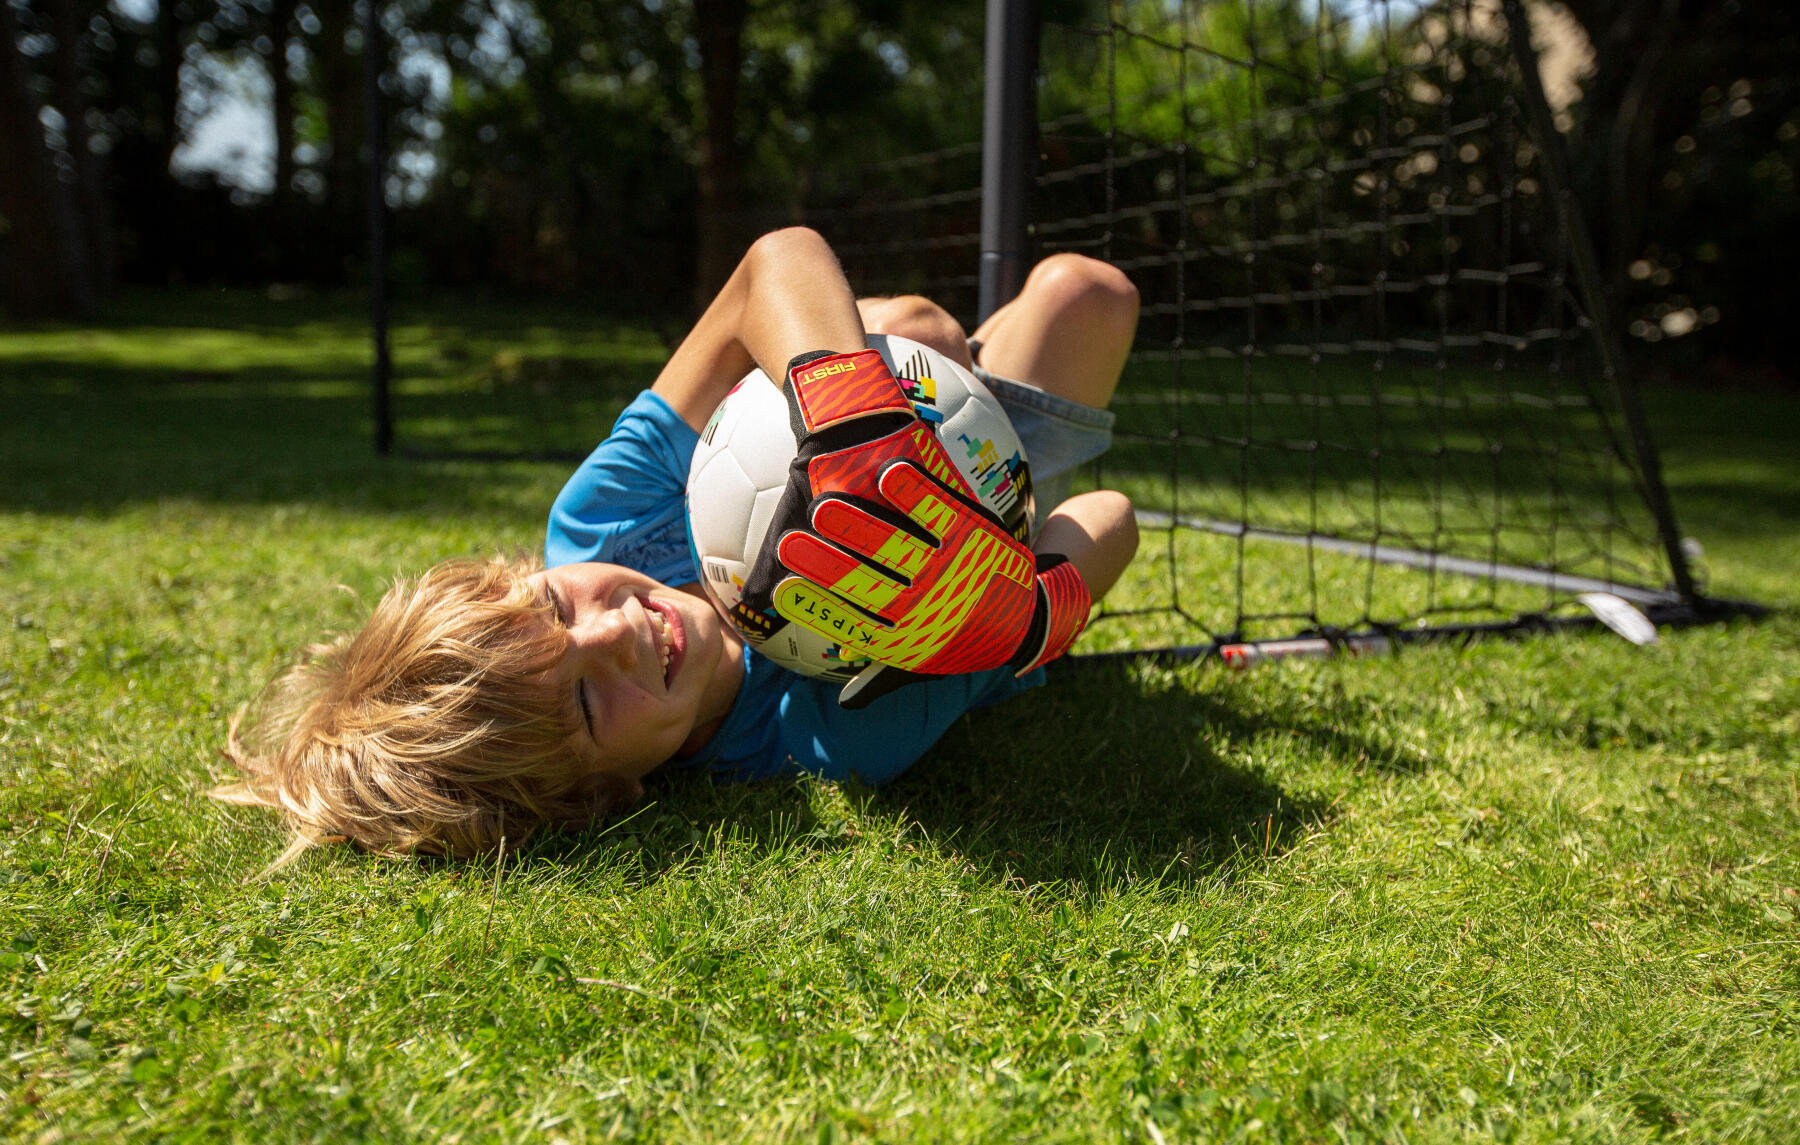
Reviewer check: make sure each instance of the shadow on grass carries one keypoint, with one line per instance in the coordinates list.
(681, 810)
(1107, 776)
(1115, 771)
(90, 452)
(241, 403)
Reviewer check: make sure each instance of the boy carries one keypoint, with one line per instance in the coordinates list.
(488, 698)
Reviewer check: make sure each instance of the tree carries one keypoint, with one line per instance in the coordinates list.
(1686, 144)
(281, 27)
(720, 31)
(46, 263)
(340, 89)
(637, 147)
(93, 225)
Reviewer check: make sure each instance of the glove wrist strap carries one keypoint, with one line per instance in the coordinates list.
(837, 388)
(1062, 612)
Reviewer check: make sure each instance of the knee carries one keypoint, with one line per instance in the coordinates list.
(919, 318)
(1127, 518)
(788, 243)
(1087, 291)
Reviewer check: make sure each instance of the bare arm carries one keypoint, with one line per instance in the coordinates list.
(1096, 532)
(786, 297)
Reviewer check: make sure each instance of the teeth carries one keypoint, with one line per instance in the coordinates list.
(662, 640)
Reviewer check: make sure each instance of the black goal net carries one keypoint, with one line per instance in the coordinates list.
(1370, 393)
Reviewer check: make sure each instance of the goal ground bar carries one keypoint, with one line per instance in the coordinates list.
(1371, 642)
(1417, 558)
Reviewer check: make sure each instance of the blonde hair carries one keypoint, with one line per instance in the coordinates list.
(430, 730)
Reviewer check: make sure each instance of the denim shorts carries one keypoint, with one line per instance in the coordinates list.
(1060, 436)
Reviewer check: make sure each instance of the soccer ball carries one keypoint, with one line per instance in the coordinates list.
(740, 469)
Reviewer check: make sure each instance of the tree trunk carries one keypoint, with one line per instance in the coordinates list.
(548, 101)
(720, 28)
(93, 222)
(1630, 39)
(340, 76)
(167, 132)
(281, 100)
(41, 271)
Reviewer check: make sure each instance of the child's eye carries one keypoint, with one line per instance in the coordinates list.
(587, 715)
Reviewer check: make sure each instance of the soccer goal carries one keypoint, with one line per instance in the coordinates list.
(1376, 392)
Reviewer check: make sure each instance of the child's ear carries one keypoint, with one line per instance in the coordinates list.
(613, 792)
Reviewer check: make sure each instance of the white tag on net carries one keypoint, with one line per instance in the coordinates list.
(1621, 616)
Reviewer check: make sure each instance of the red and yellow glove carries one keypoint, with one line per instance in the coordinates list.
(850, 418)
(944, 587)
(937, 588)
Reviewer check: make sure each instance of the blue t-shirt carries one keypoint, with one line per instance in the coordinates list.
(627, 505)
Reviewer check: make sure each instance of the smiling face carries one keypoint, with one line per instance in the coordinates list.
(649, 671)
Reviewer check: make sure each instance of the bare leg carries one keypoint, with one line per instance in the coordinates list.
(921, 319)
(1098, 534)
(786, 297)
(1068, 331)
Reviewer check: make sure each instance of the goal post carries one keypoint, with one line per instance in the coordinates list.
(1606, 326)
(1008, 145)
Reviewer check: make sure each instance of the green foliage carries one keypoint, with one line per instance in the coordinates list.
(1526, 891)
(575, 151)
(834, 87)
(1285, 175)
(1686, 141)
(1232, 79)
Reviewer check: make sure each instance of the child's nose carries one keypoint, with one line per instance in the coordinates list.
(609, 639)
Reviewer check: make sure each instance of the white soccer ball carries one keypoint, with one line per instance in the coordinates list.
(740, 469)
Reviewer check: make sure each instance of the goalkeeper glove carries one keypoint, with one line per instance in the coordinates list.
(967, 595)
(937, 588)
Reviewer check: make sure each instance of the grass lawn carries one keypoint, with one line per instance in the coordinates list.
(1544, 890)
